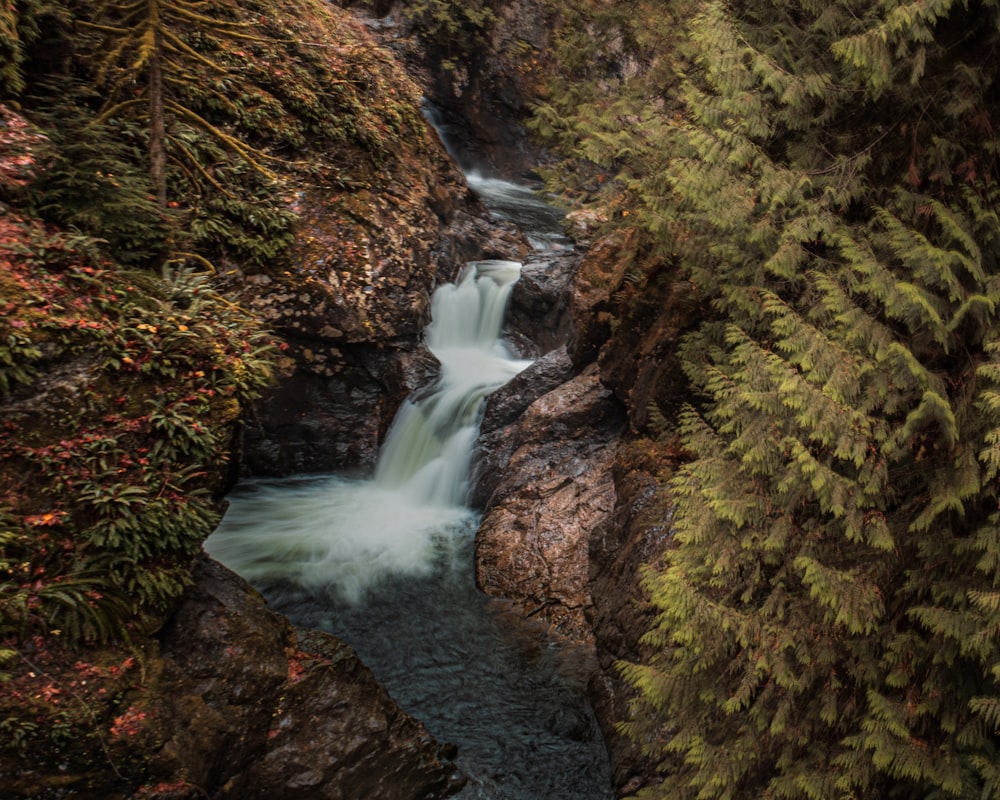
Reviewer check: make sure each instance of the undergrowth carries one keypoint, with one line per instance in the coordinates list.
(120, 392)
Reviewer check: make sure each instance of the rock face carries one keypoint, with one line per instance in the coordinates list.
(352, 309)
(252, 709)
(554, 489)
(636, 533)
(373, 237)
(570, 480)
(494, 90)
(540, 306)
(311, 421)
(542, 472)
(504, 407)
(485, 94)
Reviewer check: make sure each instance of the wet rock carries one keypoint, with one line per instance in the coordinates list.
(222, 665)
(496, 444)
(554, 490)
(228, 702)
(509, 401)
(474, 233)
(485, 96)
(249, 708)
(539, 305)
(334, 409)
(358, 745)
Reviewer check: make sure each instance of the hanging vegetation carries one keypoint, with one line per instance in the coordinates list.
(827, 179)
(106, 473)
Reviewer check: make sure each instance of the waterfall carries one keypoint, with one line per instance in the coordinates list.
(384, 563)
(428, 449)
(341, 535)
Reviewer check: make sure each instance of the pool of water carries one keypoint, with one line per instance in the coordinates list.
(508, 694)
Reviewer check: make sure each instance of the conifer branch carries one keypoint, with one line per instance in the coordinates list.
(248, 153)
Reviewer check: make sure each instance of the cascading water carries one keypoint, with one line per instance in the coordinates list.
(428, 449)
(341, 535)
(539, 221)
(386, 564)
(521, 206)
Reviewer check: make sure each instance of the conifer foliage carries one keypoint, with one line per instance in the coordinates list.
(140, 45)
(829, 620)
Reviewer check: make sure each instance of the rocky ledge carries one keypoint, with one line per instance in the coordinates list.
(267, 711)
(555, 486)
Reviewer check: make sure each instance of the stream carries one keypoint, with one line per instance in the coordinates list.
(386, 563)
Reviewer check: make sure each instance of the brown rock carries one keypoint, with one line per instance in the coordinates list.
(337, 734)
(486, 96)
(227, 702)
(556, 488)
(353, 307)
(333, 410)
(249, 708)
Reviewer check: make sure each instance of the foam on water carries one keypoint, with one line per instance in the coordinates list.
(471, 668)
(336, 535)
(340, 535)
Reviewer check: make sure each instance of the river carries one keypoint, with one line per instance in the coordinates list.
(386, 562)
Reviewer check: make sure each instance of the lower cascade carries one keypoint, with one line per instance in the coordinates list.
(386, 564)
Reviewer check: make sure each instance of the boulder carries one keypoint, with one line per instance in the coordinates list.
(227, 701)
(504, 407)
(539, 308)
(333, 409)
(252, 708)
(542, 505)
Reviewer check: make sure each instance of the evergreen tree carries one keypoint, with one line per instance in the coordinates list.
(140, 43)
(18, 30)
(607, 103)
(828, 617)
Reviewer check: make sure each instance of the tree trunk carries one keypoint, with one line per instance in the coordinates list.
(157, 126)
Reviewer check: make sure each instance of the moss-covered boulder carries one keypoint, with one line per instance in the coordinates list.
(226, 701)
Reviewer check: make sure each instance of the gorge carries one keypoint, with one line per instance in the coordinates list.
(225, 698)
(729, 526)
(386, 564)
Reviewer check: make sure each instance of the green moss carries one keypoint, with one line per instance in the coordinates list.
(292, 95)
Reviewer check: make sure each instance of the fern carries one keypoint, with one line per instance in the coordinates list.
(120, 500)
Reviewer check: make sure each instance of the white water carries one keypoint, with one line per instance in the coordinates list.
(385, 564)
(342, 536)
(540, 222)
